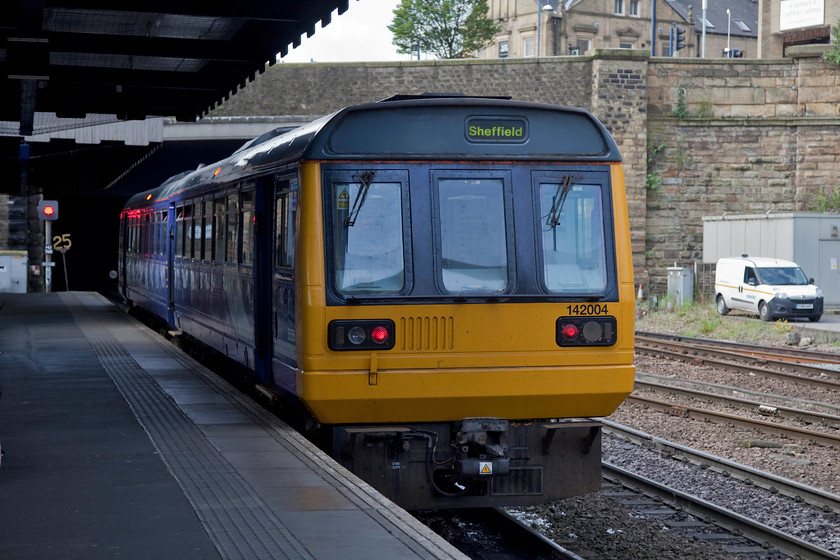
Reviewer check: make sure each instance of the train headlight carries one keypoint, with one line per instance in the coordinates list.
(586, 331)
(356, 335)
(361, 335)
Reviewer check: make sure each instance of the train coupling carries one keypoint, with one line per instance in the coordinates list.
(481, 447)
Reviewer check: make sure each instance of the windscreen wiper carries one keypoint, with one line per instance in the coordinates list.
(559, 200)
(364, 186)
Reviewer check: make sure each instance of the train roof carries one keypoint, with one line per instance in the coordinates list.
(429, 127)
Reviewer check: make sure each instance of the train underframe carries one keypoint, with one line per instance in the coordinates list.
(476, 462)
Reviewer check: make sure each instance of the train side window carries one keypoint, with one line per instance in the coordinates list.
(179, 231)
(146, 241)
(472, 234)
(573, 240)
(187, 232)
(156, 244)
(206, 230)
(218, 230)
(247, 228)
(285, 210)
(231, 238)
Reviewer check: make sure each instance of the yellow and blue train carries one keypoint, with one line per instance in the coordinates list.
(445, 283)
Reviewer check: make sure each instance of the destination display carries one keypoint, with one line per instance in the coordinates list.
(490, 129)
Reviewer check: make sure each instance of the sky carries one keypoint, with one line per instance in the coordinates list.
(358, 35)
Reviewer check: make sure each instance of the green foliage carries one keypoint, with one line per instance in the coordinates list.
(702, 320)
(680, 110)
(444, 28)
(653, 180)
(825, 202)
(833, 54)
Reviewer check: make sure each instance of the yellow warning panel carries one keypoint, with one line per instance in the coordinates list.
(485, 468)
(343, 200)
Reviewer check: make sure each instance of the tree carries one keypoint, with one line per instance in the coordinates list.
(444, 28)
(833, 53)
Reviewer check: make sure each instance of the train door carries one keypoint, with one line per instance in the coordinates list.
(170, 263)
(126, 231)
(262, 258)
(284, 339)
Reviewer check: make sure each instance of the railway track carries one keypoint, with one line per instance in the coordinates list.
(786, 354)
(701, 354)
(762, 534)
(826, 501)
(751, 524)
(758, 404)
(493, 534)
(717, 417)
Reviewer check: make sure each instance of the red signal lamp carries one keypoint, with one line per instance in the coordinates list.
(48, 210)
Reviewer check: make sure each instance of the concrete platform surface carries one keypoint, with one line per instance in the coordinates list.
(118, 445)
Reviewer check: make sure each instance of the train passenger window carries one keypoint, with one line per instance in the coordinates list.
(156, 242)
(231, 238)
(188, 231)
(247, 225)
(148, 228)
(285, 209)
(573, 242)
(206, 235)
(218, 230)
(473, 241)
(367, 227)
(179, 231)
(164, 230)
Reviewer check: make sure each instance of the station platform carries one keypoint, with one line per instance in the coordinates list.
(118, 445)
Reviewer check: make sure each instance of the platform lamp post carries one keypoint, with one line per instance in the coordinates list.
(728, 29)
(540, 9)
(705, 2)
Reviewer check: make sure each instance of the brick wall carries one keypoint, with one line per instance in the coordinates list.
(751, 136)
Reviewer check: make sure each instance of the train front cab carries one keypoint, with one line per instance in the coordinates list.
(504, 291)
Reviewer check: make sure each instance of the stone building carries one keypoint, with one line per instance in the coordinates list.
(573, 27)
(791, 23)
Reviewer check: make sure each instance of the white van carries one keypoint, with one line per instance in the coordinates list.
(772, 288)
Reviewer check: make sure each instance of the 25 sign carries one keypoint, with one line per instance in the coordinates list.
(62, 242)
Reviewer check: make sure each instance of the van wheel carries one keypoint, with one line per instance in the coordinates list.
(814, 318)
(721, 306)
(764, 312)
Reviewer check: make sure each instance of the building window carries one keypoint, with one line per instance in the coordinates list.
(634, 8)
(503, 49)
(741, 25)
(528, 46)
(582, 46)
(619, 7)
(625, 45)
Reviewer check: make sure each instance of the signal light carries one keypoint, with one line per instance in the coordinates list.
(679, 38)
(48, 210)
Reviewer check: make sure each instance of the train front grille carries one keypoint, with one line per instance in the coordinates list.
(426, 333)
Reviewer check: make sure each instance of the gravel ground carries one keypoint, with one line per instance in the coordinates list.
(597, 526)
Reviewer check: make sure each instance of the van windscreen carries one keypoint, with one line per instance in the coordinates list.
(782, 276)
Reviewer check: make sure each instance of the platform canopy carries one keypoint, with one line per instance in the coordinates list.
(130, 59)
